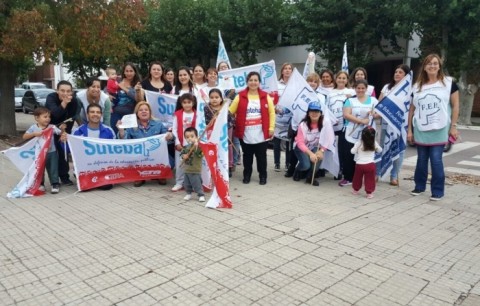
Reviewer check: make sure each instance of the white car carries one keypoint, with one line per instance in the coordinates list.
(33, 85)
(19, 92)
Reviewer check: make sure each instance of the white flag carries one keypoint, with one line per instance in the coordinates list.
(309, 65)
(163, 106)
(222, 55)
(345, 59)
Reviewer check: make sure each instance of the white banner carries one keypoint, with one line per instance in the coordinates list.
(238, 76)
(99, 162)
(200, 125)
(163, 106)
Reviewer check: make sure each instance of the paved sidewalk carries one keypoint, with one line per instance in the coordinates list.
(285, 243)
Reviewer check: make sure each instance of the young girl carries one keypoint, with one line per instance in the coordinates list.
(184, 118)
(42, 117)
(213, 107)
(364, 151)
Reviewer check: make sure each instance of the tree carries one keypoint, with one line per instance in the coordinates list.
(455, 35)
(90, 29)
(365, 25)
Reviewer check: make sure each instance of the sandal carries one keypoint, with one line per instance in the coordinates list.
(394, 182)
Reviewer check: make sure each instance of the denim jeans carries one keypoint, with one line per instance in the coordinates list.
(434, 154)
(304, 162)
(237, 153)
(51, 166)
(397, 164)
(277, 151)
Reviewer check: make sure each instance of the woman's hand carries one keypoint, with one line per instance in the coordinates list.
(121, 131)
(63, 137)
(313, 157)
(319, 155)
(410, 136)
(168, 136)
(178, 147)
(453, 132)
(270, 134)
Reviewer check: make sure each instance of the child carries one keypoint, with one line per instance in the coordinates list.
(364, 151)
(214, 106)
(183, 118)
(192, 159)
(112, 84)
(42, 117)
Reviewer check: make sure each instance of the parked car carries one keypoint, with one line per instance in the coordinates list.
(33, 85)
(34, 98)
(19, 92)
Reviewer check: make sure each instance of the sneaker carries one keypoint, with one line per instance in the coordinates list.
(416, 192)
(55, 188)
(344, 182)
(369, 195)
(435, 198)
(286, 167)
(177, 188)
(187, 197)
(201, 199)
(277, 168)
(41, 188)
(67, 182)
(355, 192)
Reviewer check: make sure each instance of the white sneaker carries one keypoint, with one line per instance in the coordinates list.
(187, 197)
(41, 188)
(201, 199)
(177, 188)
(55, 189)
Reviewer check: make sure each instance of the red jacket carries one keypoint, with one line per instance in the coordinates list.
(242, 113)
(179, 116)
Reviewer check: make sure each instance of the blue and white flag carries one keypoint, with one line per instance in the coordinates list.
(222, 55)
(394, 109)
(238, 76)
(345, 59)
(163, 106)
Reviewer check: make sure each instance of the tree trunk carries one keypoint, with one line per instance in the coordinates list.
(8, 125)
(467, 95)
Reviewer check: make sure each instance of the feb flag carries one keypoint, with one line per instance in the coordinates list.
(394, 109)
(222, 55)
(216, 154)
(30, 159)
(99, 162)
(163, 106)
(327, 139)
(296, 97)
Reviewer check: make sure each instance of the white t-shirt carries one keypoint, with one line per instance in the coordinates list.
(253, 123)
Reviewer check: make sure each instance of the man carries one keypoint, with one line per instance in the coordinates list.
(63, 106)
(95, 129)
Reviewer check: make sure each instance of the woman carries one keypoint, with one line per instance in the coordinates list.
(94, 95)
(400, 72)
(199, 77)
(170, 77)
(432, 119)
(183, 81)
(326, 76)
(147, 126)
(358, 113)
(154, 81)
(282, 120)
(255, 116)
(307, 148)
(212, 78)
(360, 73)
(336, 98)
(124, 103)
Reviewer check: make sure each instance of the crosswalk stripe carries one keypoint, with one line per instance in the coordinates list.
(463, 171)
(412, 160)
(469, 163)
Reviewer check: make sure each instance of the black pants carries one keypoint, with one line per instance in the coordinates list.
(346, 158)
(63, 166)
(260, 152)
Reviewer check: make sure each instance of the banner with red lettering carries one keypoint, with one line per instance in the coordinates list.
(30, 159)
(216, 155)
(99, 162)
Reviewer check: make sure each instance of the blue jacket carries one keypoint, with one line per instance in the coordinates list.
(154, 128)
(105, 131)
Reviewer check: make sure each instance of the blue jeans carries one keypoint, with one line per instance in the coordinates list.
(304, 162)
(51, 166)
(434, 154)
(237, 153)
(397, 164)
(277, 151)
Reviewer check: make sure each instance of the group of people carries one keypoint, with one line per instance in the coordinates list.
(346, 105)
